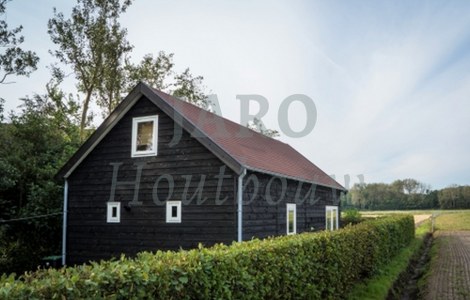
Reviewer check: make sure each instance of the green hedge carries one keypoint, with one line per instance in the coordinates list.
(305, 266)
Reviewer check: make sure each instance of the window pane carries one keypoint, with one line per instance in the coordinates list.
(174, 211)
(333, 218)
(144, 136)
(291, 221)
(328, 220)
(114, 212)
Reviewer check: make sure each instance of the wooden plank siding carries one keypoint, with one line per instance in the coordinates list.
(144, 227)
(264, 216)
(204, 220)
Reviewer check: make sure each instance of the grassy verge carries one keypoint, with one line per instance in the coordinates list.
(379, 286)
(433, 254)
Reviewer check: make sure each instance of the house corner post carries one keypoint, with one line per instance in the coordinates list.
(64, 222)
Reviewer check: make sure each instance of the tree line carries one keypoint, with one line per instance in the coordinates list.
(404, 195)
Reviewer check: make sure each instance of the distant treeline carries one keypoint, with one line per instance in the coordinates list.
(405, 194)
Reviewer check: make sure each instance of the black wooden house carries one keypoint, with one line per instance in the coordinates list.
(161, 173)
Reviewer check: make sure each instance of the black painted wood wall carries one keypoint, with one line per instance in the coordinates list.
(90, 237)
(265, 213)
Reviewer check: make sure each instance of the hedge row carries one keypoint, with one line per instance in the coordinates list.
(304, 266)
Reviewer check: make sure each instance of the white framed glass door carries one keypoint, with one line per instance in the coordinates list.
(331, 217)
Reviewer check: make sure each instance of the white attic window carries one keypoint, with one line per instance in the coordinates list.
(144, 136)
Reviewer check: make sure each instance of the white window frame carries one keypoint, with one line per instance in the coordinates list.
(110, 218)
(291, 207)
(135, 123)
(331, 209)
(169, 208)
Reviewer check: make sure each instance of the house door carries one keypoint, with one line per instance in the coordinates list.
(331, 217)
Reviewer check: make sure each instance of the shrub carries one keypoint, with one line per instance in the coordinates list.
(351, 216)
(304, 266)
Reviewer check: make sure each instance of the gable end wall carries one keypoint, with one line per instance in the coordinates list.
(144, 227)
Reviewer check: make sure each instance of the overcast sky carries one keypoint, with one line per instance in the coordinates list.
(390, 79)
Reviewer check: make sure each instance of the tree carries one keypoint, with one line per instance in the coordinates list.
(258, 126)
(159, 73)
(400, 194)
(110, 89)
(38, 141)
(465, 191)
(13, 59)
(190, 89)
(357, 195)
(413, 186)
(35, 144)
(431, 200)
(454, 197)
(154, 71)
(92, 43)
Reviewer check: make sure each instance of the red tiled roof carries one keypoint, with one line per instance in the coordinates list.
(251, 149)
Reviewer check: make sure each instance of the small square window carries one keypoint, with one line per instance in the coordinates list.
(144, 136)
(114, 212)
(173, 211)
(291, 218)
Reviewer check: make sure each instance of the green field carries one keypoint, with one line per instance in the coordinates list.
(444, 219)
(413, 212)
(453, 221)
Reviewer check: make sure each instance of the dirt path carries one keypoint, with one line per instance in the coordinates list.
(450, 272)
(420, 218)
